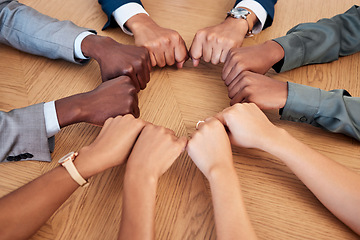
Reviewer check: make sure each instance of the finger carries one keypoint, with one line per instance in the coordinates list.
(170, 56)
(206, 52)
(219, 116)
(181, 52)
(180, 64)
(224, 53)
(196, 62)
(238, 98)
(148, 60)
(152, 59)
(198, 124)
(146, 72)
(235, 86)
(160, 59)
(196, 48)
(228, 65)
(235, 71)
(216, 53)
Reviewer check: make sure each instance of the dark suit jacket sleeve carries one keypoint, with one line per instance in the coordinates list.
(321, 42)
(109, 6)
(23, 135)
(269, 6)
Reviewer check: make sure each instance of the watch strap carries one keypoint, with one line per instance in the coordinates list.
(68, 164)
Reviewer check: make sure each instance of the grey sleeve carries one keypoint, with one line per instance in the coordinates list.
(321, 42)
(23, 135)
(333, 110)
(26, 29)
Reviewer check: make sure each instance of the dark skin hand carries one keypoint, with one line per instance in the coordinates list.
(117, 59)
(110, 99)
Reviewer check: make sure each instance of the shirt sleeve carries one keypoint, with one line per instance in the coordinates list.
(321, 42)
(335, 110)
(51, 120)
(258, 10)
(125, 12)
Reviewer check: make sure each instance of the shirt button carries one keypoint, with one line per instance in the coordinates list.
(303, 119)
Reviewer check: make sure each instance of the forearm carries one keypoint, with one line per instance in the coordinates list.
(31, 205)
(321, 42)
(231, 218)
(333, 110)
(138, 214)
(333, 184)
(28, 30)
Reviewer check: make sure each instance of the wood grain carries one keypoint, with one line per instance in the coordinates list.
(279, 205)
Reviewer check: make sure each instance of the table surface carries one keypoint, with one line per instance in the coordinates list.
(279, 205)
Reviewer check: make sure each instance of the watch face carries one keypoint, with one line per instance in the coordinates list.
(64, 158)
(239, 12)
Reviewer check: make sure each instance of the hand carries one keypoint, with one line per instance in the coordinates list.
(209, 147)
(248, 126)
(213, 43)
(165, 46)
(110, 99)
(259, 59)
(116, 59)
(155, 151)
(111, 147)
(265, 92)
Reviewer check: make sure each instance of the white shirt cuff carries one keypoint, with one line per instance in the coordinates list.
(259, 11)
(77, 45)
(51, 120)
(125, 12)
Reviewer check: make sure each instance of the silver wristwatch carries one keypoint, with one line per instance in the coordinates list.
(240, 13)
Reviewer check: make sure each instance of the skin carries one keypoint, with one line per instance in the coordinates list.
(333, 184)
(258, 59)
(265, 92)
(212, 44)
(154, 152)
(46, 193)
(210, 150)
(110, 99)
(117, 59)
(165, 46)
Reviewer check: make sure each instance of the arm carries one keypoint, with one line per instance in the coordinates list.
(30, 31)
(213, 43)
(210, 150)
(333, 184)
(46, 193)
(165, 46)
(335, 111)
(154, 152)
(27, 133)
(321, 42)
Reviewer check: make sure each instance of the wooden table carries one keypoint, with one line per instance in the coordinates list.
(279, 205)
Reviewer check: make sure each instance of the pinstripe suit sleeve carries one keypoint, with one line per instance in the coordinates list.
(26, 29)
(23, 134)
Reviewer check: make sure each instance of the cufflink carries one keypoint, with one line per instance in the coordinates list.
(19, 157)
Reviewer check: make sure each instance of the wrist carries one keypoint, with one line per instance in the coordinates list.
(83, 163)
(220, 173)
(139, 21)
(137, 175)
(68, 110)
(240, 25)
(275, 139)
(92, 45)
(275, 50)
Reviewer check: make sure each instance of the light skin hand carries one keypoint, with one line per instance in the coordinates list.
(111, 147)
(247, 125)
(265, 92)
(213, 43)
(116, 59)
(258, 59)
(165, 46)
(209, 147)
(154, 152)
(110, 99)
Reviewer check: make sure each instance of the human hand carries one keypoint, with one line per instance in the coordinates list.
(258, 58)
(155, 151)
(265, 92)
(166, 46)
(111, 147)
(247, 126)
(110, 99)
(209, 147)
(213, 43)
(116, 59)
